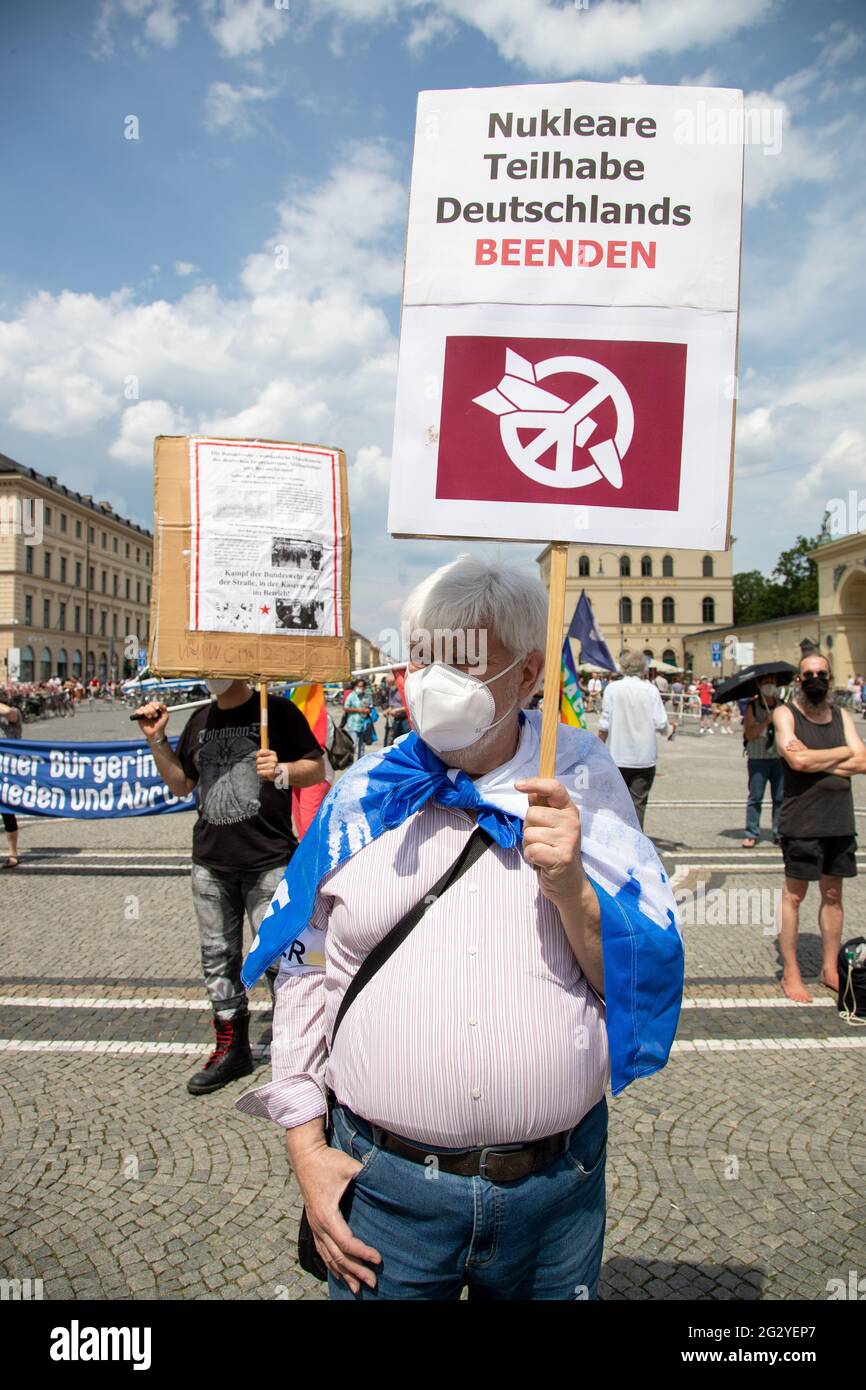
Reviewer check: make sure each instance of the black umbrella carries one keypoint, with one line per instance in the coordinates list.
(745, 683)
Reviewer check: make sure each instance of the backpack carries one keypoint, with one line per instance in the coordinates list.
(852, 980)
(341, 752)
(771, 731)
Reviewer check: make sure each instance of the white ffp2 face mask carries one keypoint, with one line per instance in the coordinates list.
(219, 686)
(451, 710)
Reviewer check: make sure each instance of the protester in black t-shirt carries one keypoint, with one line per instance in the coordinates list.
(822, 751)
(242, 840)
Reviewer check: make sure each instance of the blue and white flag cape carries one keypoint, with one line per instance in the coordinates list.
(641, 941)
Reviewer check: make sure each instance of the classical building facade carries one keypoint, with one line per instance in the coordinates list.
(838, 627)
(649, 598)
(363, 653)
(74, 581)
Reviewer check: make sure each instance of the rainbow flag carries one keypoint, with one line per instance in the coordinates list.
(310, 700)
(570, 700)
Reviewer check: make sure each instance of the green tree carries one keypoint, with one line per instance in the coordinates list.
(791, 588)
(752, 600)
(797, 578)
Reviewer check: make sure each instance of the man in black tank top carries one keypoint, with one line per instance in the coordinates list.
(822, 751)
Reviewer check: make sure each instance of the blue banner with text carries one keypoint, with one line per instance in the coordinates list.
(91, 781)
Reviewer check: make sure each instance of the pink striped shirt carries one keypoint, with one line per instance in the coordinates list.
(480, 1029)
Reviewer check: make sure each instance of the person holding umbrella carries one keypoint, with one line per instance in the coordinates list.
(759, 686)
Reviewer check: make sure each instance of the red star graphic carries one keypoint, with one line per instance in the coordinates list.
(264, 608)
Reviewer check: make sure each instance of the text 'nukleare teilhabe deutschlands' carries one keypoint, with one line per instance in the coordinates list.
(555, 164)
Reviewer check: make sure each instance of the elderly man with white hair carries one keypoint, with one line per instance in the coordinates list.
(468, 954)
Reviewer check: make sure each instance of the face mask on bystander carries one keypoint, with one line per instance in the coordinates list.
(815, 685)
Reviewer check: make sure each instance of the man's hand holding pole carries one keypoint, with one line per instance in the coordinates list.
(551, 844)
(152, 720)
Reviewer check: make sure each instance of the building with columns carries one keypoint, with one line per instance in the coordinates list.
(649, 599)
(837, 627)
(74, 581)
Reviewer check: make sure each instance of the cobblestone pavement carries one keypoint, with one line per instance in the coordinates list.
(737, 1172)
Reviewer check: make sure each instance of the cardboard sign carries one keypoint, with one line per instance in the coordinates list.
(251, 559)
(568, 341)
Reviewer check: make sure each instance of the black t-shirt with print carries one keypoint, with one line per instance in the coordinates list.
(243, 822)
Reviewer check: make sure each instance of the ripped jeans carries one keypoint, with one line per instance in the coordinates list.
(221, 898)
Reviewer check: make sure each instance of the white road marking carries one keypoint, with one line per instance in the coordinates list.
(93, 1001)
(80, 1001)
(143, 1049)
(766, 1044)
(694, 1045)
(761, 1002)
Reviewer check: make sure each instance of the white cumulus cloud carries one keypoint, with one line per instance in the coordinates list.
(139, 426)
(229, 109)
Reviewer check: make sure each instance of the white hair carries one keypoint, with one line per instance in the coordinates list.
(632, 663)
(470, 593)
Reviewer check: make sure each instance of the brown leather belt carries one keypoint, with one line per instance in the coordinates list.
(496, 1162)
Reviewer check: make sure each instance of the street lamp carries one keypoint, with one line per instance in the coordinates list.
(600, 574)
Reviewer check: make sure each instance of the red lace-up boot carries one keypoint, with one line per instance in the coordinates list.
(230, 1058)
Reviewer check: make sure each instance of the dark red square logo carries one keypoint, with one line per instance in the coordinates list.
(557, 420)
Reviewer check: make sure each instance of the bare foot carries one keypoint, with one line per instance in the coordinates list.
(749, 842)
(793, 986)
(830, 980)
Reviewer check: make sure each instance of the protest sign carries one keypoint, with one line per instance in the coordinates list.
(88, 781)
(251, 559)
(568, 340)
(569, 330)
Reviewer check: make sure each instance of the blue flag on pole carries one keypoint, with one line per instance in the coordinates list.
(593, 647)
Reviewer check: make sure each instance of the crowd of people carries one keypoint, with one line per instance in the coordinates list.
(58, 695)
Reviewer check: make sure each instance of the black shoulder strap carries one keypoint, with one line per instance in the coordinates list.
(473, 849)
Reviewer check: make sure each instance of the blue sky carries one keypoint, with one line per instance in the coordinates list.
(263, 125)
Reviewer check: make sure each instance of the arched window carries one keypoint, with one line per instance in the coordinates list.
(668, 567)
(646, 566)
(708, 610)
(625, 566)
(649, 654)
(62, 664)
(103, 667)
(583, 567)
(27, 663)
(708, 567)
(625, 610)
(670, 656)
(646, 610)
(45, 664)
(668, 611)
(76, 664)
(91, 665)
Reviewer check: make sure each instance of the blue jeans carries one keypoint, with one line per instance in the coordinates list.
(762, 771)
(360, 748)
(540, 1237)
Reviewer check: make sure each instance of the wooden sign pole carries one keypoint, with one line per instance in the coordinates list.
(263, 704)
(553, 659)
